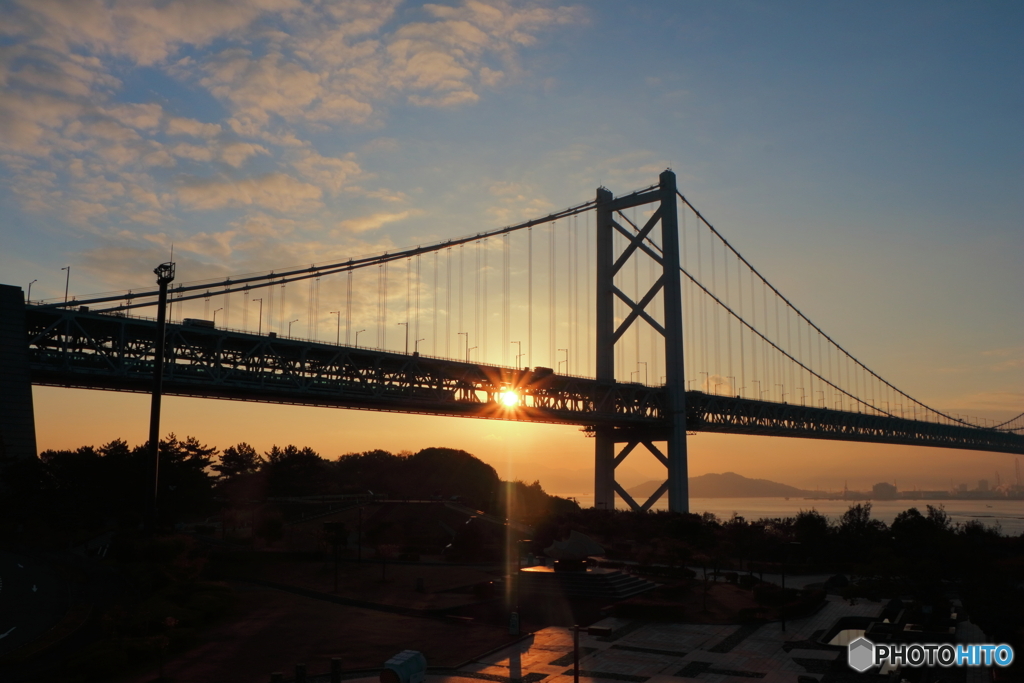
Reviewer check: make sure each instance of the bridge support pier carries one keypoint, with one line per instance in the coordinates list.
(17, 418)
(670, 326)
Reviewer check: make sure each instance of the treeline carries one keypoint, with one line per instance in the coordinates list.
(921, 554)
(90, 487)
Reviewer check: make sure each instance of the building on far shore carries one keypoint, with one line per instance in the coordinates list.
(884, 491)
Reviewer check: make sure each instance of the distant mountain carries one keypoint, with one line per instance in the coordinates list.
(725, 485)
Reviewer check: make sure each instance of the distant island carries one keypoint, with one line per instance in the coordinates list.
(726, 485)
(732, 485)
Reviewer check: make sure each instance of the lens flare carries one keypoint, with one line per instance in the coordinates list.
(509, 398)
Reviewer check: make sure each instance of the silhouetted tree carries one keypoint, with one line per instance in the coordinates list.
(238, 460)
(293, 471)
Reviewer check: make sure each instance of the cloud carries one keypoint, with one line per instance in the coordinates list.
(235, 153)
(328, 172)
(372, 222)
(256, 82)
(197, 129)
(145, 32)
(275, 191)
(261, 87)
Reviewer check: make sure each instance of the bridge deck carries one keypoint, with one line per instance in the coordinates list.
(98, 351)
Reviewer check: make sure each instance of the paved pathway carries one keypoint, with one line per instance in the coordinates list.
(654, 652)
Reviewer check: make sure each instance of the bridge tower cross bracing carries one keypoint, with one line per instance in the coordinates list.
(608, 335)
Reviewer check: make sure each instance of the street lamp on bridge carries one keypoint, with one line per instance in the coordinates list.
(259, 330)
(338, 338)
(416, 346)
(215, 315)
(357, 337)
(467, 343)
(406, 337)
(28, 297)
(290, 326)
(566, 361)
(520, 354)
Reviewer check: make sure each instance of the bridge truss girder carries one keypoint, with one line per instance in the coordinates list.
(90, 350)
(710, 413)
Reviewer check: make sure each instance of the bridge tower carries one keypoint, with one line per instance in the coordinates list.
(670, 327)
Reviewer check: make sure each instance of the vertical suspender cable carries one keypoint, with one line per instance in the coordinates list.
(462, 261)
(506, 314)
(529, 296)
(715, 308)
(485, 321)
(728, 322)
(348, 309)
(418, 290)
(743, 355)
(476, 300)
(552, 344)
(703, 313)
(588, 304)
(433, 329)
(448, 305)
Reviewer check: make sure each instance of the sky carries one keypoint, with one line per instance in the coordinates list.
(866, 157)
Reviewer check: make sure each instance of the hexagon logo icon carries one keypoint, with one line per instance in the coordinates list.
(861, 654)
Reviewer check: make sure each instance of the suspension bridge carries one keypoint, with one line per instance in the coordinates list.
(630, 316)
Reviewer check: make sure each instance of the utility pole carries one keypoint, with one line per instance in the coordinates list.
(164, 276)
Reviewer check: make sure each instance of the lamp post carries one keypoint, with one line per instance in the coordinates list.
(67, 281)
(164, 276)
(643, 363)
(357, 346)
(416, 346)
(338, 339)
(566, 361)
(467, 343)
(406, 337)
(290, 326)
(260, 328)
(783, 394)
(28, 297)
(215, 315)
(520, 354)
(469, 350)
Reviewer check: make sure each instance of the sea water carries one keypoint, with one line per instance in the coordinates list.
(1006, 515)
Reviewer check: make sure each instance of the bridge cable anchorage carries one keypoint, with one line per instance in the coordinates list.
(257, 281)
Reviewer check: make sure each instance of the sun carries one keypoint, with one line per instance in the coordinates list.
(509, 398)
